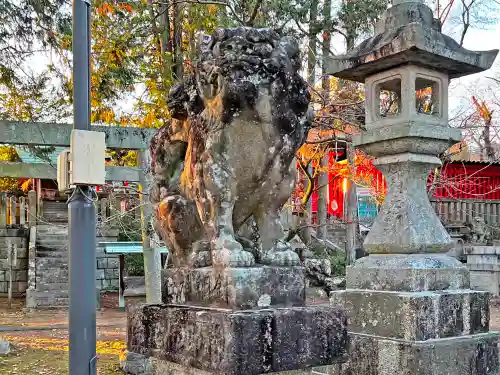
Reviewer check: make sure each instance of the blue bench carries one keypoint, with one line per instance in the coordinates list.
(120, 249)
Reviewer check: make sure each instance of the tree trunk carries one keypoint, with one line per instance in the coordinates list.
(351, 201)
(488, 147)
(166, 45)
(322, 231)
(312, 51)
(322, 214)
(178, 56)
(302, 224)
(351, 218)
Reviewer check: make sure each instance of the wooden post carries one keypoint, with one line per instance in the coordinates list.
(12, 258)
(102, 209)
(22, 211)
(115, 212)
(322, 209)
(9, 296)
(32, 214)
(3, 211)
(121, 285)
(39, 205)
(13, 209)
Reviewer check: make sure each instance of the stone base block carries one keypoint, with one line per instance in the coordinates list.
(408, 273)
(467, 355)
(484, 280)
(135, 364)
(415, 316)
(235, 288)
(249, 342)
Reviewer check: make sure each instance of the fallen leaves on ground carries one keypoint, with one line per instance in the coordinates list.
(55, 344)
(26, 361)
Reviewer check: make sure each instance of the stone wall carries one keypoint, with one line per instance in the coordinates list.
(17, 239)
(107, 271)
(484, 266)
(107, 265)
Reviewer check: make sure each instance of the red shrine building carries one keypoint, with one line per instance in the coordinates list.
(461, 179)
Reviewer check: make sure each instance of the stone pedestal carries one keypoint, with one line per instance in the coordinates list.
(234, 321)
(235, 288)
(415, 314)
(241, 342)
(410, 309)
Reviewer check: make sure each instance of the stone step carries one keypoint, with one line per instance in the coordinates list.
(52, 243)
(52, 236)
(62, 266)
(51, 254)
(52, 287)
(52, 293)
(52, 268)
(49, 279)
(51, 228)
(51, 303)
(50, 261)
(42, 234)
(52, 278)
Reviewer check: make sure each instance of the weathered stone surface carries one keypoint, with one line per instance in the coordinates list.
(468, 355)
(134, 285)
(247, 342)
(484, 266)
(407, 273)
(407, 223)
(48, 273)
(227, 156)
(408, 34)
(406, 137)
(415, 316)
(484, 280)
(136, 364)
(5, 347)
(235, 288)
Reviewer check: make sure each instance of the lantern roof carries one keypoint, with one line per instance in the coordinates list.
(407, 33)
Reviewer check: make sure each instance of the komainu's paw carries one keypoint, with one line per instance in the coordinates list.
(281, 255)
(232, 258)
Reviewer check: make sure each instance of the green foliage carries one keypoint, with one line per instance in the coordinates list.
(9, 153)
(337, 258)
(134, 264)
(338, 262)
(27, 30)
(358, 17)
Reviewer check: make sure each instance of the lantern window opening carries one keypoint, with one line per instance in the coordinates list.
(427, 93)
(388, 97)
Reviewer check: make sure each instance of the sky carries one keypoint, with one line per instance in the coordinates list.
(461, 89)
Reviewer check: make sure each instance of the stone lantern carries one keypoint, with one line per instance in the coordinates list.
(411, 310)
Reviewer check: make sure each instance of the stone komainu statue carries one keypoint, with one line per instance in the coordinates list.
(223, 167)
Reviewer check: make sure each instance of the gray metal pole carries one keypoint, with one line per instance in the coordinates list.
(82, 220)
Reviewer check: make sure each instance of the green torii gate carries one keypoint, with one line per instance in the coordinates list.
(118, 138)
